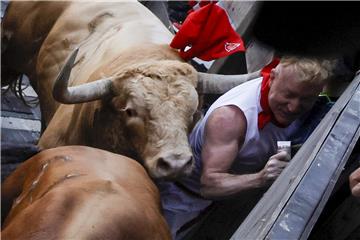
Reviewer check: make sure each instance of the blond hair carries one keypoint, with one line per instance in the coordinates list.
(310, 69)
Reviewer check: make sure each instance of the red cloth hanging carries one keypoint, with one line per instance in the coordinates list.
(209, 35)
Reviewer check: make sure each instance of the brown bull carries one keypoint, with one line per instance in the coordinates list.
(78, 192)
(131, 93)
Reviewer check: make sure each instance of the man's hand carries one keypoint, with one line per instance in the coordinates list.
(274, 167)
(355, 183)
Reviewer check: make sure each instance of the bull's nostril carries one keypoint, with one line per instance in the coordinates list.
(162, 164)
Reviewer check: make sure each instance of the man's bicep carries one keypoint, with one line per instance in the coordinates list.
(218, 158)
(224, 134)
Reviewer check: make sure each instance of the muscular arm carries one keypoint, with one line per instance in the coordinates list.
(225, 133)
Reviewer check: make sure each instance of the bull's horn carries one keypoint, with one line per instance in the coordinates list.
(217, 84)
(82, 93)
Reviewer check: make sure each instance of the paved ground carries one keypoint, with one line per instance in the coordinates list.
(20, 129)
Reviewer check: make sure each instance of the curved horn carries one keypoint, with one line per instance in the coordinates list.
(217, 84)
(82, 93)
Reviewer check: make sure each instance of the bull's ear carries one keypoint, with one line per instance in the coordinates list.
(121, 105)
(129, 109)
(118, 103)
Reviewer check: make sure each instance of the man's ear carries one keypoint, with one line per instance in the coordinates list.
(273, 73)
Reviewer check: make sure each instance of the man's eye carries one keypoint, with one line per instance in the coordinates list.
(288, 95)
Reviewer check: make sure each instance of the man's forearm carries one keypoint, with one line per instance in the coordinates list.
(222, 185)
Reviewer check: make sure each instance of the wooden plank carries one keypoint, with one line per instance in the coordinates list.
(339, 194)
(241, 14)
(263, 216)
(257, 55)
(335, 177)
(303, 209)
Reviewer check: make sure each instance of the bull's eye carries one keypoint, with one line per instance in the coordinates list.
(131, 112)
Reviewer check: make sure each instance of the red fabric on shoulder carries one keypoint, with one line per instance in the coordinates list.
(266, 115)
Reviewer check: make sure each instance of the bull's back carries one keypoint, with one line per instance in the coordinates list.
(103, 31)
(40, 45)
(81, 193)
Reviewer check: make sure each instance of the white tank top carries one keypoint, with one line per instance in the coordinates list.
(258, 145)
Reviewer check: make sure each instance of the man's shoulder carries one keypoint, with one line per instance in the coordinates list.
(228, 116)
(228, 111)
(226, 124)
(245, 96)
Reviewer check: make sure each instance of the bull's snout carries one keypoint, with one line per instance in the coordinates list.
(174, 165)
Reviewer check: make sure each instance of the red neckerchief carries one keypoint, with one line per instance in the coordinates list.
(266, 115)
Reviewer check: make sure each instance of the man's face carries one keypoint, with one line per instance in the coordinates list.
(289, 97)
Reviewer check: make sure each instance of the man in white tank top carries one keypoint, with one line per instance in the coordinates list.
(234, 145)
